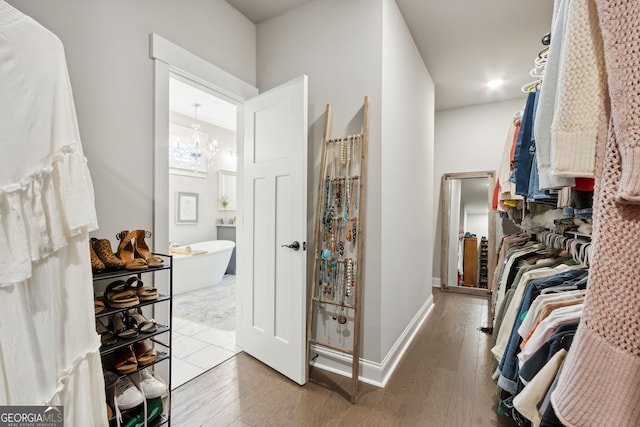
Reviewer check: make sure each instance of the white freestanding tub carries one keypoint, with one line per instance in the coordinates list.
(192, 272)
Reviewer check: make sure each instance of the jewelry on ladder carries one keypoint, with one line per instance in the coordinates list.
(337, 184)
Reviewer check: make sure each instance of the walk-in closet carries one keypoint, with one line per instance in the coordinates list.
(320, 212)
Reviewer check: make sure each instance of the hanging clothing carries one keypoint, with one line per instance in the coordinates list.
(599, 384)
(547, 102)
(49, 350)
(504, 187)
(580, 94)
(525, 147)
(562, 338)
(538, 336)
(508, 368)
(515, 302)
(542, 302)
(527, 402)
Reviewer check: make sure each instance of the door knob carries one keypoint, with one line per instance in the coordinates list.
(295, 245)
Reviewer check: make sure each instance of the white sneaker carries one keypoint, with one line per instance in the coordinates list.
(127, 394)
(150, 384)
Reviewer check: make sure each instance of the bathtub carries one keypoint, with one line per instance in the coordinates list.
(191, 272)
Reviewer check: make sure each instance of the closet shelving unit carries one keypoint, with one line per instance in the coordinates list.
(107, 352)
(483, 275)
(335, 293)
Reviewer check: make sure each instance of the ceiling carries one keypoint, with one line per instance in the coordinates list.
(464, 43)
(211, 109)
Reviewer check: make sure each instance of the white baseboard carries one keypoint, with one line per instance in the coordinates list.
(373, 372)
(436, 282)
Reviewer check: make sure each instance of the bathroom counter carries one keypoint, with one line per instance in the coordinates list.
(228, 232)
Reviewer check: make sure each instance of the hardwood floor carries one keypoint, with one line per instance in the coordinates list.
(444, 379)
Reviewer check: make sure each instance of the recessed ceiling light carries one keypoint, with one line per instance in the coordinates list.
(495, 83)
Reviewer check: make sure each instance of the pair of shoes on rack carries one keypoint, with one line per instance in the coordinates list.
(131, 323)
(121, 294)
(102, 256)
(128, 392)
(131, 390)
(134, 251)
(128, 359)
(125, 325)
(136, 417)
(144, 293)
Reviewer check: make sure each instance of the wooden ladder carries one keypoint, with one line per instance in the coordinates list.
(339, 243)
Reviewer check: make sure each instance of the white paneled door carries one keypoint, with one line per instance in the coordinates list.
(274, 202)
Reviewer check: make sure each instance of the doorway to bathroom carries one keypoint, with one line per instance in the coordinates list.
(272, 213)
(202, 220)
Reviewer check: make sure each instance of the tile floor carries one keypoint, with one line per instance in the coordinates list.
(196, 348)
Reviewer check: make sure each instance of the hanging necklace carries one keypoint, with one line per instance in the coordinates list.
(337, 185)
(328, 209)
(327, 279)
(350, 276)
(347, 202)
(342, 319)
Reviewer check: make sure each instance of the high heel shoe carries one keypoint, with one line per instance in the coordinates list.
(142, 250)
(102, 248)
(121, 327)
(107, 337)
(125, 252)
(139, 322)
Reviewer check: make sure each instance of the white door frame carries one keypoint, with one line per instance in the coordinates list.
(170, 58)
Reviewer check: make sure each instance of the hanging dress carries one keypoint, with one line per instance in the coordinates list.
(49, 350)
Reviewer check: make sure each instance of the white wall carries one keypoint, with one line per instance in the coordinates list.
(477, 224)
(206, 187)
(406, 177)
(468, 139)
(343, 65)
(107, 50)
(349, 50)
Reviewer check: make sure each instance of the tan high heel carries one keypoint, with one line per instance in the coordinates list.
(125, 252)
(142, 250)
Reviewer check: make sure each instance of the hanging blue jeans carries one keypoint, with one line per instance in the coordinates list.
(523, 152)
(536, 195)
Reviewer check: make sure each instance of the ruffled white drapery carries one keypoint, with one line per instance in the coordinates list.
(49, 349)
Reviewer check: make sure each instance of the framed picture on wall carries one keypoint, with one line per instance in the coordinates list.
(187, 208)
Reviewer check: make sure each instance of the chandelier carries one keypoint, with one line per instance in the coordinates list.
(197, 149)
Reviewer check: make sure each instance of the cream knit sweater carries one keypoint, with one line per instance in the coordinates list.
(579, 99)
(600, 382)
